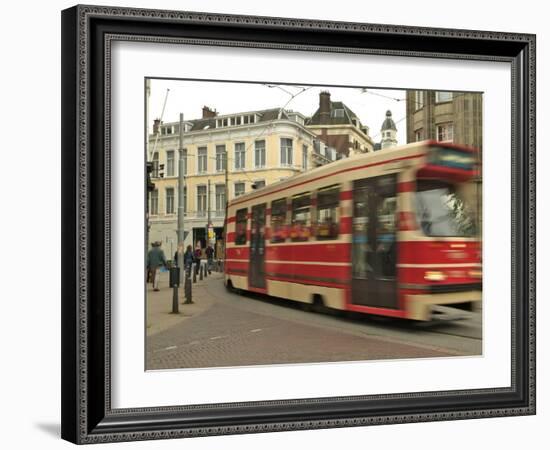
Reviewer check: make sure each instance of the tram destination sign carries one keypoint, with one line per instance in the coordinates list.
(452, 157)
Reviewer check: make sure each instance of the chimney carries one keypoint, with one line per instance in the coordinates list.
(324, 107)
(208, 112)
(156, 126)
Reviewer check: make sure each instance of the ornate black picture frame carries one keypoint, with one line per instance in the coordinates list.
(87, 414)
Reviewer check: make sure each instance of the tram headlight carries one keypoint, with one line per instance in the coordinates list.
(475, 273)
(434, 276)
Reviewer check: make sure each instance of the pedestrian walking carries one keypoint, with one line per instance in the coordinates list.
(197, 256)
(188, 259)
(209, 258)
(155, 260)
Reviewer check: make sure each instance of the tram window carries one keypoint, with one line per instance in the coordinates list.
(386, 227)
(327, 207)
(242, 218)
(301, 218)
(442, 211)
(278, 220)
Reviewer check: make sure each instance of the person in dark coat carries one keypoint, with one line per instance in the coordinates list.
(188, 259)
(197, 255)
(155, 260)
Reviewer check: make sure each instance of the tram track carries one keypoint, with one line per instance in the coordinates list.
(462, 337)
(456, 334)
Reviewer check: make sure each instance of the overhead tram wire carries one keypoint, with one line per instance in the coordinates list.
(267, 125)
(264, 129)
(158, 131)
(367, 91)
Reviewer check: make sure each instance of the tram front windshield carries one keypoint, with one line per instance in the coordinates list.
(442, 212)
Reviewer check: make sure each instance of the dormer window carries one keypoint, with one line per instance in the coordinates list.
(222, 122)
(338, 113)
(169, 129)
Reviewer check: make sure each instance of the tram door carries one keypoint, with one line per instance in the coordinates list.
(256, 273)
(374, 250)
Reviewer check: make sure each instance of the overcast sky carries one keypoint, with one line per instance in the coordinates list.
(188, 97)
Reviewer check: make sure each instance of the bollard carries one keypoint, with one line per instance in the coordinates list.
(200, 275)
(188, 288)
(174, 283)
(175, 306)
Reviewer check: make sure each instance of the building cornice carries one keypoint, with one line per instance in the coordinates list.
(230, 129)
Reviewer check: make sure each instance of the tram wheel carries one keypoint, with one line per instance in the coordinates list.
(230, 288)
(318, 304)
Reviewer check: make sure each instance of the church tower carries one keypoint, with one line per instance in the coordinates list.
(389, 132)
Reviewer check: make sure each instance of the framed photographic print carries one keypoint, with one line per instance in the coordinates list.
(280, 224)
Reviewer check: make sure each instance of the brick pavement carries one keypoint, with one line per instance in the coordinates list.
(223, 335)
(159, 304)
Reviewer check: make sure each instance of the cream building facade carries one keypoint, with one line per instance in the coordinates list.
(261, 147)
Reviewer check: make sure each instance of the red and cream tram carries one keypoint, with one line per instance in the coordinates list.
(389, 233)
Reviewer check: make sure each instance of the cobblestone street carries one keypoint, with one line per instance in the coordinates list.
(226, 329)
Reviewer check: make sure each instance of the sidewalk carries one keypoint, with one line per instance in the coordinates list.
(159, 304)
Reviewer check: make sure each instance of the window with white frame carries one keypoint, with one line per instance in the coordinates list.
(249, 119)
(441, 97)
(220, 200)
(239, 189)
(170, 200)
(154, 207)
(445, 132)
(201, 201)
(202, 155)
(220, 158)
(239, 156)
(222, 122)
(170, 170)
(259, 154)
(418, 100)
(286, 151)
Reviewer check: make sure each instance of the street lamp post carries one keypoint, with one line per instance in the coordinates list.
(226, 167)
(181, 204)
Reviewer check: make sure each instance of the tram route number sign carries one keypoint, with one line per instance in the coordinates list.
(453, 158)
